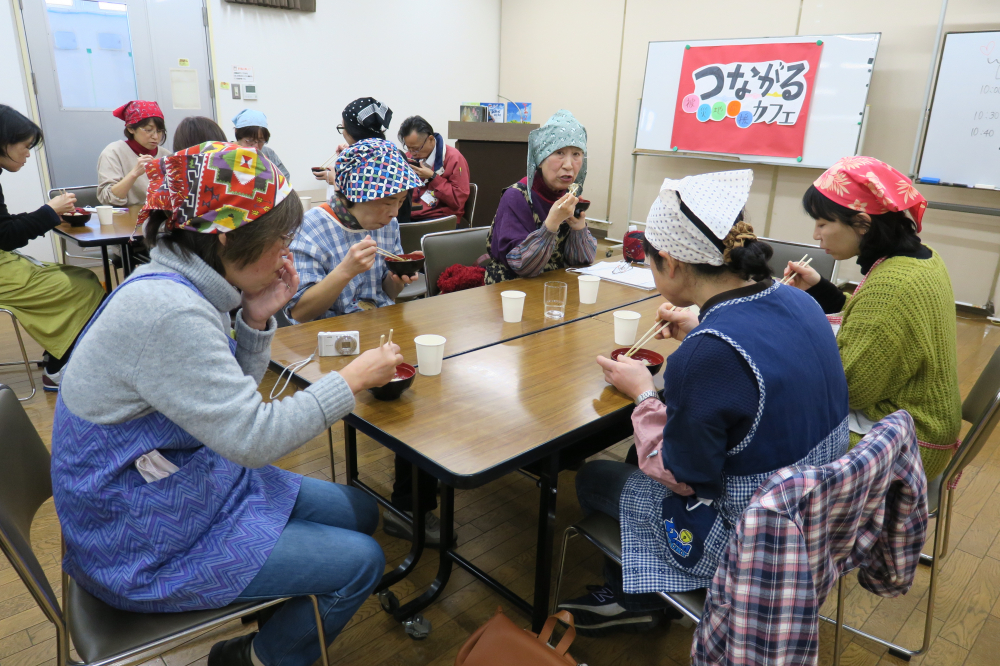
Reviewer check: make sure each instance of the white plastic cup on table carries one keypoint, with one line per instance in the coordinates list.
(626, 326)
(106, 215)
(306, 203)
(513, 305)
(588, 288)
(555, 300)
(430, 353)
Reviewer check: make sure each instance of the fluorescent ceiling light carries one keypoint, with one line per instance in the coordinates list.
(112, 6)
(61, 3)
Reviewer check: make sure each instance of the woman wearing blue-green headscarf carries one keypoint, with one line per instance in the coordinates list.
(535, 229)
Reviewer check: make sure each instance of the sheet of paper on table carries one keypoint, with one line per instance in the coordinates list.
(641, 278)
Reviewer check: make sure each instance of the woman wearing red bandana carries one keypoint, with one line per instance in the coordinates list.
(121, 168)
(897, 331)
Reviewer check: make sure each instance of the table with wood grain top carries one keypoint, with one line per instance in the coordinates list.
(94, 234)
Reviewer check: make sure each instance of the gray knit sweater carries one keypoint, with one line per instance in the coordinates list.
(159, 346)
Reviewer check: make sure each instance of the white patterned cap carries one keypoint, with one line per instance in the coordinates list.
(692, 216)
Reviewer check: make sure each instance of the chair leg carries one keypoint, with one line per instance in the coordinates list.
(840, 622)
(570, 531)
(333, 469)
(320, 633)
(24, 355)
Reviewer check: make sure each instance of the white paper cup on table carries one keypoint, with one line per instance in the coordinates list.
(626, 325)
(106, 215)
(589, 285)
(430, 353)
(306, 203)
(513, 305)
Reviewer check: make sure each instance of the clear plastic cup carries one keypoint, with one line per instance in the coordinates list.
(430, 353)
(513, 305)
(555, 300)
(588, 288)
(106, 215)
(626, 325)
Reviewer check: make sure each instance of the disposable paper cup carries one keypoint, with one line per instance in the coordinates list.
(306, 203)
(105, 214)
(513, 305)
(430, 353)
(588, 288)
(626, 325)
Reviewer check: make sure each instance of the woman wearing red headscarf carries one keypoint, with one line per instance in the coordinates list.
(897, 331)
(121, 168)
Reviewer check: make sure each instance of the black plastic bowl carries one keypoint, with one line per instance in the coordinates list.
(653, 360)
(400, 382)
(412, 264)
(77, 218)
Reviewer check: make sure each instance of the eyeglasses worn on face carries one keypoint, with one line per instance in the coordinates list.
(287, 239)
(152, 131)
(340, 129)
(414, 151)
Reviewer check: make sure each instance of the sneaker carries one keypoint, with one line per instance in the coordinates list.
(599, 614)
(394, 526)
(50, 382)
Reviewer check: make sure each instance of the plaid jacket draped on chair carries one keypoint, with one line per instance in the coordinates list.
(804, 528)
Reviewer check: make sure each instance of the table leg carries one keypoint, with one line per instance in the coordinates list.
(419, 536)
(351, 453)
(444, 565)
(126, 260)
(107, 269)
(548, 484)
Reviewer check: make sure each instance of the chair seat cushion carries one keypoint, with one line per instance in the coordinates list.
(414, 289)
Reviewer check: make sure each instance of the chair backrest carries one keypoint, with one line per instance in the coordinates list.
(86, 195)
(441, 250)
(470, 204)
(981, 408)
(785, 251)
(24, 485)
(410, 233)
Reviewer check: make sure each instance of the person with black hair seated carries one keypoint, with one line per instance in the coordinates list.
(196, 130)
(121, 167)
(251, 130)
(52, 301)
(442, 168)
(756, 385)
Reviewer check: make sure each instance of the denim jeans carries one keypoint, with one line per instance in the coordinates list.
(326, 549)
(599, 486)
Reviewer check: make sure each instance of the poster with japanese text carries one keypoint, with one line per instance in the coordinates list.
(750, 99)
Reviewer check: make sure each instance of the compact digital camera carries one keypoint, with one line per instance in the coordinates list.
(343, 343)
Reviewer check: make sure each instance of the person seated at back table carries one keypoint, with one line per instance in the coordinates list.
(196, 130)
(53, 302)
(535, 229)
(251, 132)
(442, 168)
(121, 167)
(756, 385)
(341, 273)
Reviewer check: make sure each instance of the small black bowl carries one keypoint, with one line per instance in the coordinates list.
(653, 360)
(78, 218)
(412, 264)
(400, 382)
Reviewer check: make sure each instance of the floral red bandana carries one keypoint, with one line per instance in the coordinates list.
(133, 112)
(868, 185)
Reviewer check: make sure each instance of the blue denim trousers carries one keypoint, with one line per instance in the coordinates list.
(326, 549)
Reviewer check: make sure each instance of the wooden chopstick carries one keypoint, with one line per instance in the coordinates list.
(801, 262)
(390, 336)
(332, 158)
(381, 341)
(646, 338)
(643, 337)
(388, 255)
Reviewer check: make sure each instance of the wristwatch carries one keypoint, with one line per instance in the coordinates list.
(646, 395)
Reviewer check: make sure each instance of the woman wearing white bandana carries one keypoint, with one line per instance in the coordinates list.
(756, 385)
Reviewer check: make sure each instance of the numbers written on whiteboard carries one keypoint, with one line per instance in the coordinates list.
(986, 115)
(985, 133)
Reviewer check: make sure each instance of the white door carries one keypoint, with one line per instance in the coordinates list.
(88, 57)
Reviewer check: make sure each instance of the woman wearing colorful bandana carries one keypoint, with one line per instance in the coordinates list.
(121, 168)
(702, 451)
(161, 445)
(897, 332)
(534, 229)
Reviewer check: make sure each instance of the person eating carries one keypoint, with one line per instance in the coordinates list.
(162, 446)
(196, 130)
(251, 132)
(443, 169)
(896, 334)
(121, 167)
(703, 451)
(536, 227)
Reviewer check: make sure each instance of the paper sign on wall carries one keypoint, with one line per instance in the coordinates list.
(748, 99)
(184, 90)
(242, 74)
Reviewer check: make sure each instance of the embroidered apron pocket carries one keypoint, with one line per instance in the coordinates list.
(691, 529)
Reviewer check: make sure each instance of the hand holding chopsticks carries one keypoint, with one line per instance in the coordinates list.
(647, 336)
(793, 274)
(388, 255)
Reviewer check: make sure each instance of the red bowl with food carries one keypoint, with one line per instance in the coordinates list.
(410, 265)
(77, 218)
(652, 360)
(399, 383)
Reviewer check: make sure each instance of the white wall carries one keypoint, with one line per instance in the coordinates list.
(23, 191)
(418, 58)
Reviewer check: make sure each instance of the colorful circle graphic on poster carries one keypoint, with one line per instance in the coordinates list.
(733, 108)
(704, 112)
(690, 103)
(744, 119)
(718, 111)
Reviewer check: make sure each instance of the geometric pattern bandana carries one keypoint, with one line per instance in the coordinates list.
(870, 186)
(213, 188)
(373, 169)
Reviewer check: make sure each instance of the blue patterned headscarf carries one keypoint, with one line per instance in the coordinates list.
(373, 169)
(559, 131)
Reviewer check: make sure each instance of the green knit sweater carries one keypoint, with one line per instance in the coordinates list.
(897, 342)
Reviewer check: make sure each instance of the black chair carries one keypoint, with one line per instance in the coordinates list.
(410, 234)
(24, 355)
(470, 206)
(785, 251)
(86, 195)
(101, 634)
(444, 249)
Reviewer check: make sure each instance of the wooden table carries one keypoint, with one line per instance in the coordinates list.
(96, 235)
(509, 397)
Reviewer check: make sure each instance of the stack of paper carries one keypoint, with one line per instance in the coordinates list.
(635, 276)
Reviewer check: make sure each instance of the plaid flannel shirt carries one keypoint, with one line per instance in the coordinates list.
(322, 243)
(803, 529)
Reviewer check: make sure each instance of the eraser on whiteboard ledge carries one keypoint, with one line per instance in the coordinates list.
(930, 181)
(980, 186)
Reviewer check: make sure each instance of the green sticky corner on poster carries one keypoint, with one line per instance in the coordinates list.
(675, 148)
(89, 51)
(687, 47)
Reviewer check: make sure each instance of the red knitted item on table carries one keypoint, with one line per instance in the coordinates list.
(459, 277)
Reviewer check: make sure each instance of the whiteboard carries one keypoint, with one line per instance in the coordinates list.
(962, 143)
(836, 112)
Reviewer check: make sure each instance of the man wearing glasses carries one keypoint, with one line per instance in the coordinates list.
(443, 169)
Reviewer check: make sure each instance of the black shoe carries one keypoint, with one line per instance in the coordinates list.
(234, 652)
(262, 616)
(599, 614)
(395, 526)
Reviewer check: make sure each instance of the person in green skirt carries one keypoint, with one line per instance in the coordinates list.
(52, 302)
(897, 332)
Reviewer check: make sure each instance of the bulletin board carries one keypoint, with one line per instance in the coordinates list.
(796, 101)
